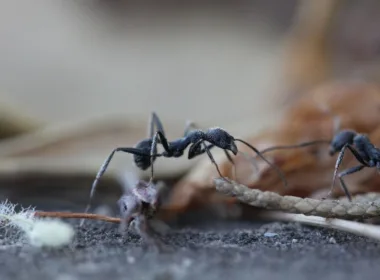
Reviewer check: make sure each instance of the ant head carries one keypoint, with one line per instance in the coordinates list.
(342, 138)
(142, 162)
(222, 139)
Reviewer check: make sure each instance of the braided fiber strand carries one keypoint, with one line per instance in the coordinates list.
(364, 206)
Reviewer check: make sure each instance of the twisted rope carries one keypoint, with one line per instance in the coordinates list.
(362, 206)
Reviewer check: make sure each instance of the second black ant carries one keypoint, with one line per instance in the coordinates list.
(365, 152)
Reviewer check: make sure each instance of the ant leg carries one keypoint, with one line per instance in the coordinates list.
(195, 150)
(339, 161)
(357, 155)
(159, 137)
(337, 164)
(155, 122)
(347, 172)
(153, 152)
(214, 162)
(279, 172)
(103, 169)
(302, 145)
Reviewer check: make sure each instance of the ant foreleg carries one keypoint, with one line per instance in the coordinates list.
(357, 155)
(196, 150)
(337, 164)
(347, 172)
(214, 162)
(339, 161)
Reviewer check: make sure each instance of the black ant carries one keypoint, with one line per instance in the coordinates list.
(358, 144)
(145, 152)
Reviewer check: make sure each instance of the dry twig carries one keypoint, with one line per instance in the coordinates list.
(65, 215)
(370, 231)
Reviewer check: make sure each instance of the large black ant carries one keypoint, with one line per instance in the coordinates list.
(145, 152)
(358, 144)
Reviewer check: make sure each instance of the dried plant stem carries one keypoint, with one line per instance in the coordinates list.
(359, 208)
(370, 231)
(65, 215)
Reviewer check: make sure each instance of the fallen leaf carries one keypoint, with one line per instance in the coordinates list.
(307, 170)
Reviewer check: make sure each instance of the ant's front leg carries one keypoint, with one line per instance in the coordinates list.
(339, 161)
(195, 150)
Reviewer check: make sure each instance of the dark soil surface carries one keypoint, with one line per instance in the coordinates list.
(241, 250)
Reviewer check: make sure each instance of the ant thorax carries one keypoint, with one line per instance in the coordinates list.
(215, 129)
(194, 136)
(362, 143)
(219, 137)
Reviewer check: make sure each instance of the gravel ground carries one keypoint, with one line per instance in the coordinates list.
(241, 250)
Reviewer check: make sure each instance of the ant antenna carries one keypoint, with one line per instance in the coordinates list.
(248, 158)
(301, 145)
(336, 128)
(279, 172)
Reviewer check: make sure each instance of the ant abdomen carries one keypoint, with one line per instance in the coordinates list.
(143, 161)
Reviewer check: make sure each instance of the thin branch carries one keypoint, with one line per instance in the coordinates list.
(65, 215)
(366, 230)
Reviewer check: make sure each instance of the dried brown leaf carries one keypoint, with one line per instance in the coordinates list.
(307, 170)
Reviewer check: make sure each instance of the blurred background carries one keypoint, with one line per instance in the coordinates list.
(69, 60)
(78, 78)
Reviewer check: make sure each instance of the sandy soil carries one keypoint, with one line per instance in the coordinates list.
(212, 251)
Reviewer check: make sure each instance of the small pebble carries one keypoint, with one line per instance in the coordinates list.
(131, 259)
(270, 234)
(332, 240)
(294, 240)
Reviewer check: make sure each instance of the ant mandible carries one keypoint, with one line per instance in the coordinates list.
(365, 152)
(145, 152)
